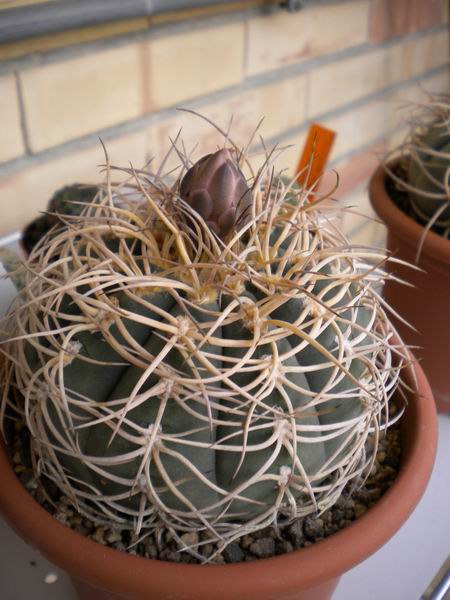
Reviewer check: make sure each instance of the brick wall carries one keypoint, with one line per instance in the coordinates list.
(348, 64)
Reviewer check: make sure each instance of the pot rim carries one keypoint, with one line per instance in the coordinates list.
(435, 246)
(110, 569)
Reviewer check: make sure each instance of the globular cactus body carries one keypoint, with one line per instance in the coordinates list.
(425, 155)
(184, 381)
(429, 174)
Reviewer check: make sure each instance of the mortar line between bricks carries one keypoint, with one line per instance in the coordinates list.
(369, 220)
(346, 156)
(355, 104)
(22, 114)
(357, 189)
(54, 55)
(308, 65)
(245, 57)
(195, 24)
(147, 121)
(154, 31)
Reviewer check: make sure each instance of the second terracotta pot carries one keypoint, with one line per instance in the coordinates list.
(102, 573)
(426, 305)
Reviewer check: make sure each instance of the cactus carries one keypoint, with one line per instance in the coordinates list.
(426, 156)
(68, 201)
(429, 173)
(211, 356)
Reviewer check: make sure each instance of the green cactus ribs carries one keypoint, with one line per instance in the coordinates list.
(70, 200)
(217, 382)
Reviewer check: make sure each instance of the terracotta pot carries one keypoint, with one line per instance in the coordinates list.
(426, 306)
(101, 573)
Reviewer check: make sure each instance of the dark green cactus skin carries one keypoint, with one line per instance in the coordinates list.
(312, 456)
(63, 203)
(421, 176)
(349, 407)
(175, 421)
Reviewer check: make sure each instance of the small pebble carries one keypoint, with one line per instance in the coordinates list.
(120, 546)
(360, 509)
(113, 536)
(27, 479)
(337, 515)
(187, 558)
(163, 544)
(246, 541)
(263, 548)
(99, 535)
(313, 527)
(173, 557)
(206, 550)
(88, 524)
(62, 517)
(345, 502)
(283, 547)
(151, 552)
(296, 534)
(219, 560)
(233, 553)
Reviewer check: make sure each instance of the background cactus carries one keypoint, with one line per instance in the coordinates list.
(429, 172)
(426, 157)
(69, 201)
(182, 369)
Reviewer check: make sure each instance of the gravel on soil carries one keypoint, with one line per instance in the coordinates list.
(169, 546)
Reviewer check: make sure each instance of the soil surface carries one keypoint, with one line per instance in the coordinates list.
(169, 545)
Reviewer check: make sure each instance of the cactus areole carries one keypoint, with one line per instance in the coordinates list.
(205, 357)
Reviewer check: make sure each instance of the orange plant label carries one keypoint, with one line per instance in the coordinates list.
(315, 155)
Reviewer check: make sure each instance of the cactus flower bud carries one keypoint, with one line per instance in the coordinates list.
(216, 189)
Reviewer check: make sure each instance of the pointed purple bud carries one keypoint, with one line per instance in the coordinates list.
(217, 190)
